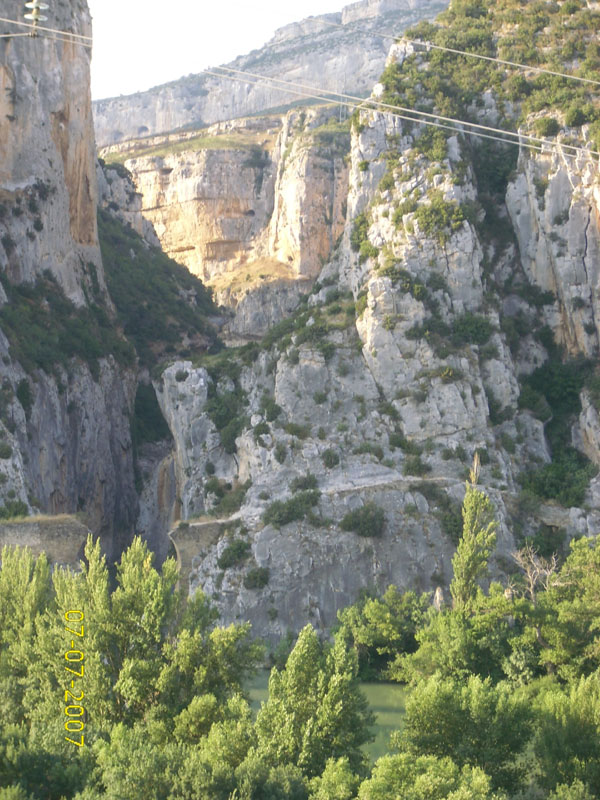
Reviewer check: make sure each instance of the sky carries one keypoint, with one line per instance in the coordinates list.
(142, 43)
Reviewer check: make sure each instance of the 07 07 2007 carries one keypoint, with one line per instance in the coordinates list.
(74, 695)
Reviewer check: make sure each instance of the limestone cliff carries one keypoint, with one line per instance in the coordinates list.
(311, 52)
(454, 316)
(66, 400)
(47, 163)
(252, 207)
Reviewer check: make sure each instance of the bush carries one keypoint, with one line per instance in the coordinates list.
(414, 466)
(260, 430)
(181, 375)
(367, 250)
(5, 450)
(8, 243)
(517, 87)
(148, 424)
(280, 452)
(566, 479)
(370, 448)
(365, 521)
(301, 431)
(471, 329)
(296, 508)
(440, 217)
(159, 303)
(256, 578)
(575, 117)
(330, 458)
(13, 508)
(359, 232)
(24, 396)
(232, 501)
(547, 126)
(235, 553)
(304, 483)
(399, 440)
(484, 456)
(214, 486)
(269, 408)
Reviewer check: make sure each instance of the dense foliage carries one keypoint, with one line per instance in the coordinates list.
(45, 329)
(503, 686)
(159, 303)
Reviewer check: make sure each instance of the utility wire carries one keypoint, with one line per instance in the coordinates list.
(431, 46)
(64, 39)
(42, 28)
(333, 101)
(46, 36)
(380, 105)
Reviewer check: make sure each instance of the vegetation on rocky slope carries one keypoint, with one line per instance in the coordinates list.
(503, 692)
(162, 308)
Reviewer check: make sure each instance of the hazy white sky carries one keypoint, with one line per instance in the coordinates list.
(141, 43)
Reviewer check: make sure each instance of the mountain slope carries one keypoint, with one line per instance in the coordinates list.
(310, 52)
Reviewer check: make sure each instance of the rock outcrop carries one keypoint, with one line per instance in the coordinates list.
(254, 208)
(399, 366)
(65, 422)
(47, 161)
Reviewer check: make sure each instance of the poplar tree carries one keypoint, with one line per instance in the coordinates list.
(477, 542)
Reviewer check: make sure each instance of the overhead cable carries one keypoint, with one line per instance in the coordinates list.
(431, 46)
(333, 101)
(388, 106)
(48, 30)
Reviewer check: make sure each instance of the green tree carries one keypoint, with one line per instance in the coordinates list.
(25, 591)
(315, 709)
(473, 723)
(337, 782)
(567, 744)
(477, 542)
(576, 791)
(570, 609)
(145, 646)
(425, 778)
(378, 629)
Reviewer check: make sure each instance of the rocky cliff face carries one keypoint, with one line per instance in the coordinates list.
(434, 297)
(47, 161)
(420, 344)
(65, 423)
(310, 52)
(253, 208)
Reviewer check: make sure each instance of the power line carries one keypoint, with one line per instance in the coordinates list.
(333, 101)
(42, 28)
(431, 46)
(46, 36)
(66, 39)
(388, 106)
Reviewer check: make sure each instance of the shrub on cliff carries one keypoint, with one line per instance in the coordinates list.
(296, 508)
(236, 551)
(365, 521)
